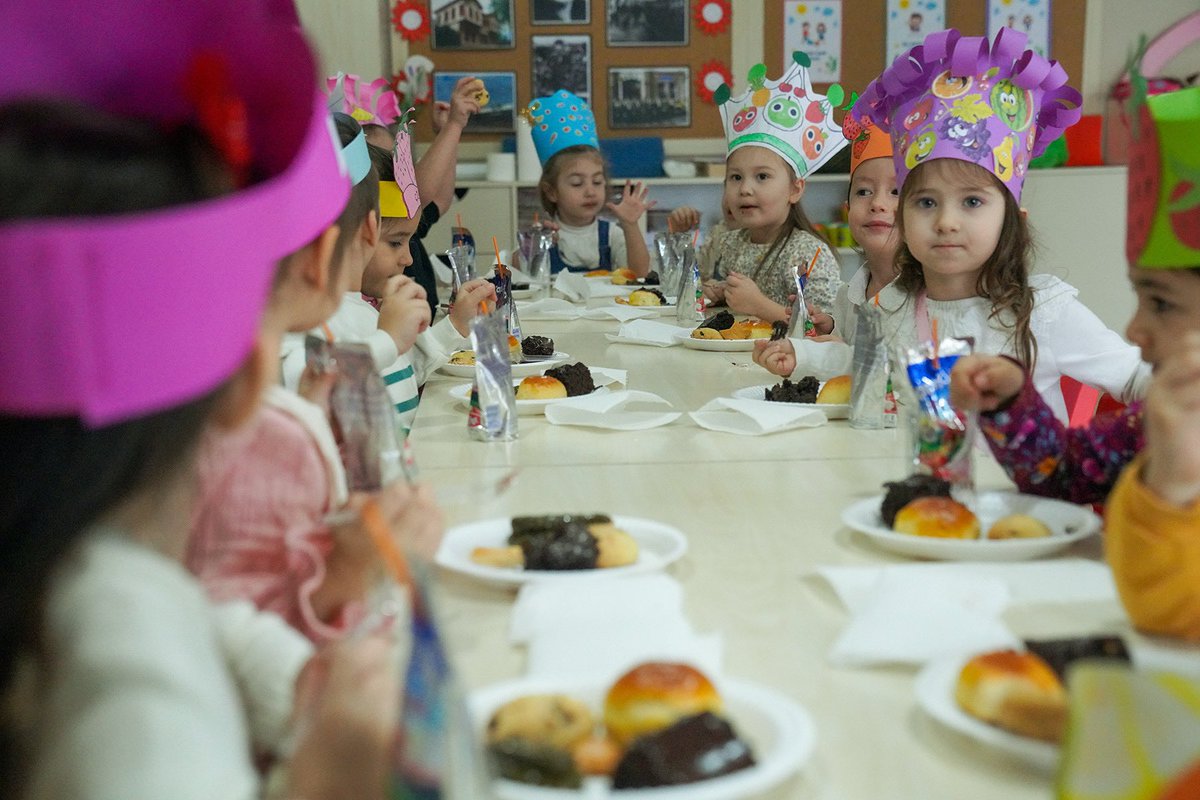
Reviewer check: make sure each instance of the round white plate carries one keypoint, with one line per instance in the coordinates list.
(780, 732)
(831, 410)
(934, 688)
(667, 310)
(1068, 524)
(522, 370)
(717, 345)
(658, 546)
(525, 408)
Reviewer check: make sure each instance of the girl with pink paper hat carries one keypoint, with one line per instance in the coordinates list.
(130, 190)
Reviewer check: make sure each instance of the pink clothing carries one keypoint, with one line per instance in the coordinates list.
(259, 531)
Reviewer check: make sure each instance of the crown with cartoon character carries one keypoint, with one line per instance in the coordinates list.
(994, 104)
(560, 121)
(867, 141)
(373, 103)
(785, 116)
(399, 198)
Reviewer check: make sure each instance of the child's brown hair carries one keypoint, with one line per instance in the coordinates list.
(553, 169)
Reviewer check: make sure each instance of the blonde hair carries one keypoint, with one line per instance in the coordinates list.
(553, 169)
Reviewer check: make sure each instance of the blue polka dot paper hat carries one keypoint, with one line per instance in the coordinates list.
(560, 121)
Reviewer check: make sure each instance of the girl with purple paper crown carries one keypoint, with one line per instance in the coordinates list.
(966, 116)
(118, 677)
(778, 133)
(574, 190)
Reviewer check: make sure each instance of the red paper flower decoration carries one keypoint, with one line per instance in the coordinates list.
(712, 74)
(713, 16)
(411, 20)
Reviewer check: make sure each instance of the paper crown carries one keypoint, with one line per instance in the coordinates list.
(1163, 217)
(153, 309)
(866, 141)
(954, 96)
(373, 103)
(400, 198)
(785, 116)
(560, 121)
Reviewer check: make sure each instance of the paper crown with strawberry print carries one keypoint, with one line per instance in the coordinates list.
(373, 103)
(866, 141)
(1163, 217)
(785, 116)
(994, 104)
(400, 198)
(560, 121)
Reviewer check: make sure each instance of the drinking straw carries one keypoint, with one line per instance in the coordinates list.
(381, 537)
(695, 237)
(458, 220)
(933, 325)
(496, 247)
(812, 263)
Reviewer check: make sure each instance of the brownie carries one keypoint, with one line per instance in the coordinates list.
(576, 377)
(802, 391)
(537, 346)
(1061, 653)
(651, 279)
(901, 493)
(693, 749)
(721, 321)
(779, 330)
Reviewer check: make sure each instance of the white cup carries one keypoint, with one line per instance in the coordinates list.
(501, 167)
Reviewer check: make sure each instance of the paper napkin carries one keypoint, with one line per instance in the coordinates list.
(603, 376)
(541, 606)
(571, 285)
(611, 411)
(754, 417)
(621, 313)
(649, 332)
(549, 308)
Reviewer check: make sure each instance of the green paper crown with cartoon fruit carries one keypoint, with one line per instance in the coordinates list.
(785, 116)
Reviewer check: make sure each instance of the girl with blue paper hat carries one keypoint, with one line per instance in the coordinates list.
(574, 191)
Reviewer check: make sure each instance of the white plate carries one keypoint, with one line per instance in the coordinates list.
(831, 410)
(658, 546)
(780, 732)
(667, 310)
(525, 408)
(522, 370)
(717, 345)
(1068, 524)
(934, 688)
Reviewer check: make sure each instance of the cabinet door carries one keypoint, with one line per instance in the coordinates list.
(486, 210)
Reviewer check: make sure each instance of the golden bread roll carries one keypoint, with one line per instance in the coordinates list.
(836, 391)
(596, 273)
(654, 695)
(557, 720)
(706, 333)
(937, 517)
(540, 387)
(514, 350)
(617, 548)
(465, 358)
(510, 557)
(1018, 526)
(596, 755)
(643, 298)
(1015, 691)
(738, 330)
(623, 276)
(760, 329)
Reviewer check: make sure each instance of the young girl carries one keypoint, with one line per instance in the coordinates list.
(574, 190)
(118, 678)
(1152, 531)
(773, 146)
(964, 257)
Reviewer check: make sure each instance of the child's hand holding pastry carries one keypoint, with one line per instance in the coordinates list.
(1172, 419)
(404, 311)
(984, 383)
(776, 356)
(464, 101)
(466, 303)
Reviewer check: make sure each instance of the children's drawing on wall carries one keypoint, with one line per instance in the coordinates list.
(909, 21)
(1030, 17)
(815, 27)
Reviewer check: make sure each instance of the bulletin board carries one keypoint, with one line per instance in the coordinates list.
(864, 37)
(702, 47)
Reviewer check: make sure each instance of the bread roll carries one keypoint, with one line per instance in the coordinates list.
(836, 391)
(706, 333)
(465, 358)
(623, 276)
(738, 330)
(937, 517)
(617, 548)
(760, 329)
(596, 273)
(1018, 526)
(1015, 691)
(539, 387)
(653, 695)
(643, 297)
(556, 720)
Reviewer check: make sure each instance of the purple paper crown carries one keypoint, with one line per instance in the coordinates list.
(953, 96)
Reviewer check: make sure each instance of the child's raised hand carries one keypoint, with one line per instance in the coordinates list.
(984, 383)
(439, 117)
(1172, 419)
(633, 203)
(777, 357)
(464, 100)
(404, 311)
(466, 303)
(683, 219)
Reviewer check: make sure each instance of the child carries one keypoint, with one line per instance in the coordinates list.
(962, 145)
(574, 190)
(774, 144)
(119, 679)
(1152, 521)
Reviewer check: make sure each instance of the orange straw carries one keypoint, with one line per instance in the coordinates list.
(536, 221)
(695, 237)
(381, 537)
(933, 325)
(812, 263)
(458, 219)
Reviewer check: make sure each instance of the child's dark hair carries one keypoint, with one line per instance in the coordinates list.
(557, 163)
(59, 476)
(1004, 279)
(364, 197)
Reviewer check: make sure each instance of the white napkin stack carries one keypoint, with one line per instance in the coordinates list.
(610, 624)
(611, 411)
(572, 286)
(648, 332)
(549, 308)
(754, 417)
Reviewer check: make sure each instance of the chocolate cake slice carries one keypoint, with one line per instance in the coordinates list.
(721, 321)
(537, 346)
(901, 493)
(802, 391)
(1061, 653)
(576, 377)
(694, 749)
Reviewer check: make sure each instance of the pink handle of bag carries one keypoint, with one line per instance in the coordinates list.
(1159, 52)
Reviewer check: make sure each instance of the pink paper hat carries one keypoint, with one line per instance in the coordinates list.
(110, 318)
(400, 197)
(373, 103)
(954, 96)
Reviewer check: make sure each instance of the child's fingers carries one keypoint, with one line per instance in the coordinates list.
(395, 283)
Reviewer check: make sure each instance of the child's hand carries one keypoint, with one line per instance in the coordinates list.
(714, 292)
(822, 322)
(439, 117)
(1172, 419)
(466, 303)
(683, 219)
(464, 101)
(633, 203)
(743, 296)
(984, 383)
(404, 311)
(414, 517)
(778, 357)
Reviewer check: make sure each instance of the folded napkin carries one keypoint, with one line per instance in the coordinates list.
(645, 331)
(612, 649)
(604, 288)
(549, 308)
(754, 417)
(621, 313)
(571, 286)
(611, 411)
(603, 376)
(540, 606)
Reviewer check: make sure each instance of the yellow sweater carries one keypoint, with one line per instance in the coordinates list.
(1154, 551)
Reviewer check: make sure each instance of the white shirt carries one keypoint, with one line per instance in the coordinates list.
(580, 247)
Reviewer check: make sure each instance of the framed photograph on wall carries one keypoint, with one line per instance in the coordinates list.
(562, 62)
(649, 97)
(561, 12)
(500, 113)
(640, 23)
(471, 24)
